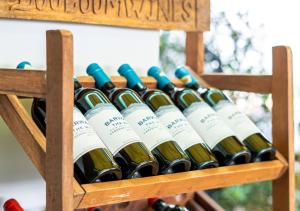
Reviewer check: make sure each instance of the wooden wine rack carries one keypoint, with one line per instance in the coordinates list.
(54, 159)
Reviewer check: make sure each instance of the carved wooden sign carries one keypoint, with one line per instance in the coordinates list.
(188, 15)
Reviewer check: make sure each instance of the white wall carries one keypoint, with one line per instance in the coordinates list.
(25, 40)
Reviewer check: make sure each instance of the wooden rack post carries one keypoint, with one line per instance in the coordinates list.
(60, 102)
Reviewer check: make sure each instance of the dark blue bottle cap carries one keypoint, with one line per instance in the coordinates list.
(132, 78)
(24, 65)
(183, 74)
(161, 78)
(98, 74)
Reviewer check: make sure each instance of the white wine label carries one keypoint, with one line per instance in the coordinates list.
(85, 138)
(111, 127)
(207, 123)
(178, 126)
(146, 125)
(241, 125)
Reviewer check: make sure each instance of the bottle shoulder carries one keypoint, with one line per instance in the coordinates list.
(124, 97)
(212, 96)
(87, 91)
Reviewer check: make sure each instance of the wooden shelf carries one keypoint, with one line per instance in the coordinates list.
(167, 185)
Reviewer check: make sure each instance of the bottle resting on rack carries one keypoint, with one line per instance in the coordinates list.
(92, 160)
(160, 205)
(219, 137)
(245, 130)
(126, 146)
(173, 119)
(156, 137)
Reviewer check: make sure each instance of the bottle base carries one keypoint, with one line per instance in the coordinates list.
(143, 170)
(239, 158)
(206, 165)
(267, 154)
(176, 167)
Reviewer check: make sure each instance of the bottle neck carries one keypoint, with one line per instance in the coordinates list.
(140, 88)
(194, 86)
(170, 88)
(108, 87)
(77, 86)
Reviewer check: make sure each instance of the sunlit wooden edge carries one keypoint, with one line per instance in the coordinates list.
(167, 185)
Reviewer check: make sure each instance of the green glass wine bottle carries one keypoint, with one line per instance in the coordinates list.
(92, 160)
(246, 131)
(173, 119)
(219, 137)
(170, 156)
(126, 146)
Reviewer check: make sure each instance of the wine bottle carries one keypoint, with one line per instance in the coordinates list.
(172, 118)
(92, 160)
(170, 156)
(126, 146)
(245, 130)
(12, 205)
(219, 137)
(160, 205)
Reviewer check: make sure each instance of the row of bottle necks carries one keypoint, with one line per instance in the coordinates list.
(137, 132)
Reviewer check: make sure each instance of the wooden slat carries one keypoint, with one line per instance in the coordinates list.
(166, 185)
(205, 201)
(194, 51)
(194, 206)
(23, 83)
(29, 136)
(59, 159)
(188, 15)
(120, 81)
(24, 129)
(247, 83)
(283, 126)
(78, 193)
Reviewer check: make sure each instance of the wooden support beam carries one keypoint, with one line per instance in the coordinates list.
(60, 98)
(205, 201)
(283, 127)
(23, 83)
(25, 130)
(248, 83)
(194, 51)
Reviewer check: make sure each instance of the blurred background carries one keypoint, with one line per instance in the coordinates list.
(240, 41)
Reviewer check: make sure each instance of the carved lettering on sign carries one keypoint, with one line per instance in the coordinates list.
(155, 10)
(188, 15)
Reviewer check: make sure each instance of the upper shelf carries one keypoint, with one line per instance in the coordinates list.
(187, 15)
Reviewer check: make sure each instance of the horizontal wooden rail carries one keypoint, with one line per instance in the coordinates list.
(33, 83)
(27, 83)
(120, 81)
(248, 83)
(166, 185)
